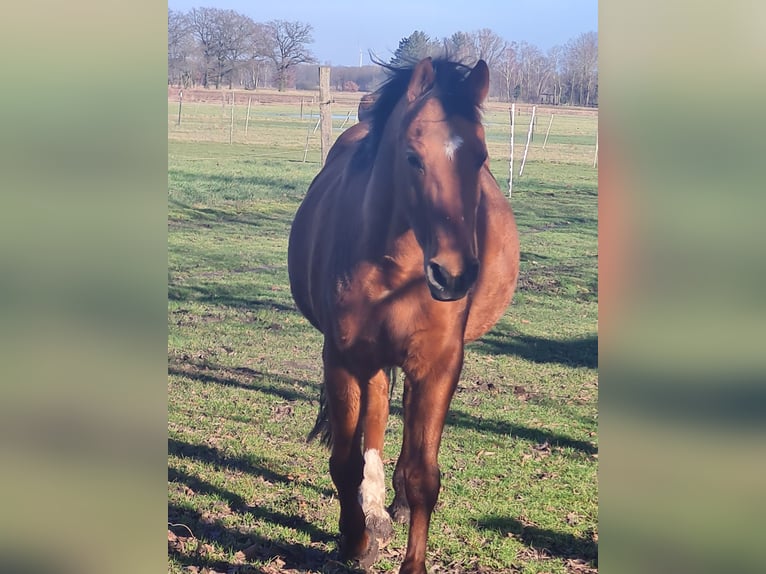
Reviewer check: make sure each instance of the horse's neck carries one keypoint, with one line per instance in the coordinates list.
(384, 220)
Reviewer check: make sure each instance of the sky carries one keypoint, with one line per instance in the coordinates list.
(343, 28)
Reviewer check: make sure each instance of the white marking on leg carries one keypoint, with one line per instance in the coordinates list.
(452, 145)
(372, 491)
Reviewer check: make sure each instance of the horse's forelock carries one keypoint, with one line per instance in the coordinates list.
(450, 88)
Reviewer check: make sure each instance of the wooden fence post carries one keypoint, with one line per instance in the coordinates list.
(348, 115)
(510, 163)
(325, 110)
(529, 137)
(548, 131)
(247, 119)
(595, 154)
(231, 126)
(308, 135)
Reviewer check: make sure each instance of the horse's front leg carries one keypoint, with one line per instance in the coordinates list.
(344, 395)
(426, 407)
(372, 491)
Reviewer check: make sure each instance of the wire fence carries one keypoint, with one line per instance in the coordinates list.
(287, 126)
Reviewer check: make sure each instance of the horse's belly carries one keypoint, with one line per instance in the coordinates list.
(499, 255)
(487, 308)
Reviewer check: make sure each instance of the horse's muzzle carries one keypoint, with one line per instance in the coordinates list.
(447, 287)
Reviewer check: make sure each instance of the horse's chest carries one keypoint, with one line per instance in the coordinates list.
(372, 314)
(363, 315)
(391, 323)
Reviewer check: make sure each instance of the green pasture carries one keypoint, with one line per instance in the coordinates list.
(519, 458)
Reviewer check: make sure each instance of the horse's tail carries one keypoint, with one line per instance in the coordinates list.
(391, 372)
(322, 427)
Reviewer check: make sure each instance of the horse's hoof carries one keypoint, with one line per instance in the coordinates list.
(399, 513)
(380, 528)
(366, 560)
(412, 568)
(363, 561)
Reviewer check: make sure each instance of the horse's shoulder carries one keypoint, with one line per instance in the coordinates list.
(494, 204)
(348, 142)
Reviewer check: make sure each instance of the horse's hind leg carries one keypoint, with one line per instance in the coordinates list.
(343, 392)
(372, 491)
(400, 508)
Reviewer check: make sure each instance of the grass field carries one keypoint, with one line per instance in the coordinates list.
(520, 451)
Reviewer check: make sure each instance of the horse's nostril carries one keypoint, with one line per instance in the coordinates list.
(437, 276)
(447, 287)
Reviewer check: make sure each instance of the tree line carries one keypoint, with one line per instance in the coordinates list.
(211, 47)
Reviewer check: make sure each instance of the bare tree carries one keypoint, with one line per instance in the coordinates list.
(285, 45)
(510, 71)
(488, 46)
(460, 47)
(581, 68)
(180, 48)
(212, 46)
(555, 58)
(237, 33)
(257, 65)
(202, 23)
(539, 74)
(533, 71)
(223, 37)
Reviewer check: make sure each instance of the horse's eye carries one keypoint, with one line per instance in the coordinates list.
(415, 162)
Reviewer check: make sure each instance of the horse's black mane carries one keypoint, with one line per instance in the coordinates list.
(449, 87)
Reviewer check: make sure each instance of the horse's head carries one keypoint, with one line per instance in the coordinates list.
(439, 158)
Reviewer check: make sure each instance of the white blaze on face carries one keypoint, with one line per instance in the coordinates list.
(452, 145)
(372, 491)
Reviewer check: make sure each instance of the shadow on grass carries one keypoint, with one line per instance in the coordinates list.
(457, 418)
(245, 378)
(249, 379)
(250, 187)
(250, 179)
(557, 221)
(218, 294)
(575, 278)
(237, 504)
(250, 465)
(293, 555)
(211, 526)
(208, 217)
(582, 352)
(284, 387)
(540, 540)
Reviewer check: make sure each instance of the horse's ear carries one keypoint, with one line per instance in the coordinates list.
(478, 81)
(366, 105)
(422, 79)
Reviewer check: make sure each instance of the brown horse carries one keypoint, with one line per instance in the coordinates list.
(403, 250)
